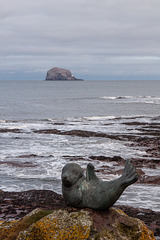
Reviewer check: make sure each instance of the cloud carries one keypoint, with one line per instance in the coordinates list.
(95, 39)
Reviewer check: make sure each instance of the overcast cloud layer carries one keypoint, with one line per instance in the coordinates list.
(104, 39)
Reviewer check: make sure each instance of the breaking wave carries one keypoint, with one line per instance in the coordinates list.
(135, 99)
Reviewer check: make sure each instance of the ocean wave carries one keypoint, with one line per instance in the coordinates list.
(3, 121)
(141, 197)
(128, 97)
(135, 99)
(97, 118)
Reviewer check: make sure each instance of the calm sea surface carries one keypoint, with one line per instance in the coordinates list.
(37, 100)
(29, 160)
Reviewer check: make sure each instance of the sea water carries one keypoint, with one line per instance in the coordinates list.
(32, 160)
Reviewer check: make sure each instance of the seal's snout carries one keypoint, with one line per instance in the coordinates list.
(64, 178)
(66, 181)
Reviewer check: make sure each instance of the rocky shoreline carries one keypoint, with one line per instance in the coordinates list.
(148, 139)
(15, 205)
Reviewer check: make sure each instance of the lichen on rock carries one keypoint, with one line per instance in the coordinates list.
(6, 228)
(60, 225)
(115, 224)
(72, 223)
(9, 230)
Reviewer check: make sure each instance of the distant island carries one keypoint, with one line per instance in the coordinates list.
(60, 74)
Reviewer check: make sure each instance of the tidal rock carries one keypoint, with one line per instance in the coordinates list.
(71, 223)
(60, 74)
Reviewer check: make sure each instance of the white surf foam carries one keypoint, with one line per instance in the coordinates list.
(135, 99)
(99, 118)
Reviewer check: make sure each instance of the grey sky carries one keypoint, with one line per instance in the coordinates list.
(104, 39)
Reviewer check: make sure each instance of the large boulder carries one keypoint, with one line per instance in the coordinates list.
(60, 74)
(71, 223)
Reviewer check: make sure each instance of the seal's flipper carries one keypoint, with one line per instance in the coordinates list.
(90, 172)
(129, 174)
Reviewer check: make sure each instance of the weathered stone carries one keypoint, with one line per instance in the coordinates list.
(71, 223)
(115, 224)
(7, 228)
(60, 224)
(60, 74)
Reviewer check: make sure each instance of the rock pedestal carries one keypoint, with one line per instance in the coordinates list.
(71, 223)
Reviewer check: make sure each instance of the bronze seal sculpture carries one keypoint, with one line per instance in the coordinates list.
(89, 191)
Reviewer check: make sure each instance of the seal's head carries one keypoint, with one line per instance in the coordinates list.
(71, 173)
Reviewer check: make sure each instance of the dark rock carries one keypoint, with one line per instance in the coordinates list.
(18, 204)
(18, 164)
(60, 74)
(8, 130)
(150, 180)
(78, 133)
(118, 159)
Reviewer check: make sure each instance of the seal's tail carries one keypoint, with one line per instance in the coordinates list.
(129, 174)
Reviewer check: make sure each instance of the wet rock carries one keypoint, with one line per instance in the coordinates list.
(48, 131)
(150, 180)
(18, 204)
(8, 130)
(18, 164)
(78, 133)
(108, 159)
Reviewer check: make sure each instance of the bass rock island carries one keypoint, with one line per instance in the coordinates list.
(60, 74)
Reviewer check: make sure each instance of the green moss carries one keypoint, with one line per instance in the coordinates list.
(104, 234)
(37, 216)
(130, 232)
